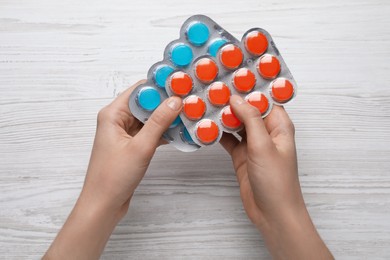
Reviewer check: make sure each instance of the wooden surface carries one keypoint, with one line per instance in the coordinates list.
(61, 61)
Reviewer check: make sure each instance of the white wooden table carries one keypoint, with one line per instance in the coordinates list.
(61, 61)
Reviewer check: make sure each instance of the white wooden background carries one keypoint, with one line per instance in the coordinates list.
(61, 61)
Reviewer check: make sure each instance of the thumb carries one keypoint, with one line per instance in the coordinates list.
(256, 132)
(150, 134)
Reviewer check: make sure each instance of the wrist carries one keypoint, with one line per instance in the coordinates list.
(288, 222)
(85, 232)
(98, 209)
(292, 234)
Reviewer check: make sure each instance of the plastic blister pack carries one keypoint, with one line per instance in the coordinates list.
(205, 66)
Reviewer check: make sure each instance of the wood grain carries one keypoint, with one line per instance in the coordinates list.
(61, 61)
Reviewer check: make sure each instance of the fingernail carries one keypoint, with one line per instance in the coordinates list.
(237, 99)
(174, 103)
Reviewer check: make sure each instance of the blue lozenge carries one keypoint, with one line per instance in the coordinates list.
(215, 45)
(149, 98)
(181, 54)
(198, 33)
(161, 74)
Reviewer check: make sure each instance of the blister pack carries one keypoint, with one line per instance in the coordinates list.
(205, 66)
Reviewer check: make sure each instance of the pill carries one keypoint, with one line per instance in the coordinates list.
(175, 122)
(269, 66)
(218, 93)
(215, 45)
(185, 136)
(229, 119)
(198, 33)
(206, 70)
(161, 74)
(207, 131)
(244, 80)
(256, 43)
(282, 90)
(181, 54)
(148, 98)
(194, 107)
(180, 83)
(230, 56)
(258, 100)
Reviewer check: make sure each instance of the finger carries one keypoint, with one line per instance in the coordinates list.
(228, 142)
(279, 120)
(121, 113)
(123, 99)
(257, 135)
(280, 127)
(238, 154)
(159, 121)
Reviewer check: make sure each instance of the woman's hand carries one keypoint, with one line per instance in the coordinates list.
(123, 149)
(265, 162)
(121, 154)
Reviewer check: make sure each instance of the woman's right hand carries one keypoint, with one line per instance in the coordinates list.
(265, 163)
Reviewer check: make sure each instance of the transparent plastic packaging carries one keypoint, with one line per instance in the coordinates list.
(205, 66)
